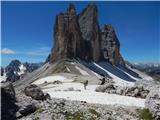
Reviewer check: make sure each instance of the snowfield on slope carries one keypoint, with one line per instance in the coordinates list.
(143, 75)
(75, 91)
(81, 71)
(118, 81)
(50, 79)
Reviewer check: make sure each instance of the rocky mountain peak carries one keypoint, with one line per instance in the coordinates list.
(66, 35)
(79, 36)
(107, 27)
(92, 6)
(15, 63)
(89, 27)
(71, 9)
(16, 70)
(111, 45)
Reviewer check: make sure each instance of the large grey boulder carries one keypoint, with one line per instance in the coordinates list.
(108, 88)
(35, 92)
(153, 103)
(28, 109)
(8, 99)
(134, 91)
(8, 90)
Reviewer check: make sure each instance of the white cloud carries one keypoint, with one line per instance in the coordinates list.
(7, 51)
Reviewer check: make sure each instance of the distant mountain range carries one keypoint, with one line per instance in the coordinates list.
(141, 65)
(17, 70)
(152, 69)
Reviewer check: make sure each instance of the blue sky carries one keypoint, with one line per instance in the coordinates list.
(27, 28)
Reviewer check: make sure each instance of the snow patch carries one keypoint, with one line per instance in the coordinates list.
(22, 69)
(3, 78)
(96, 74)
(142, 75)
(52, 79)
(118, 81)
(128, 74)
(68, 69)
(72, 63)
(90, 96)
(81, 71)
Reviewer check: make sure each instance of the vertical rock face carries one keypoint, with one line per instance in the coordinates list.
(88, 21)
(66, 35)
(79, 36)
(110, 45)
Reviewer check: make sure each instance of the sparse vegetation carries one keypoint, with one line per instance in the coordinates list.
(109, 118)
(39, 110)
(144, 114)
(94, 112)
(74, 116)
(37, 118)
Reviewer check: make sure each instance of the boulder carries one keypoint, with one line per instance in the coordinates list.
(8, 90)
(108, 88)
(8, 99)
(134, 91)
(153, 103)
(119, 91)
(35, 92)
(28, 109)
(100, 88)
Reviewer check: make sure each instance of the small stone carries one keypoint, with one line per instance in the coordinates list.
(18, 115)
(136, 92)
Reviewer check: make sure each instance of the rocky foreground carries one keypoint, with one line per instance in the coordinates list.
(32, 103)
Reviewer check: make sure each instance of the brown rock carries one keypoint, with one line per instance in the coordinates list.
(66, 35)
(110, 45)
(88, 22)
(79, 36)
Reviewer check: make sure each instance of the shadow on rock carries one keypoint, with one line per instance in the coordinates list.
(8, 99)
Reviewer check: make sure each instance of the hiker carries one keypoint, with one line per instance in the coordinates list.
(85, 84)
(103, 81)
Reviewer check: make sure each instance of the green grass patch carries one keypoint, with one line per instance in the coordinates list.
(92, 111)
(109, 118)
(39, 110)
(74, 116)
(37, 118)
(145, 114)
